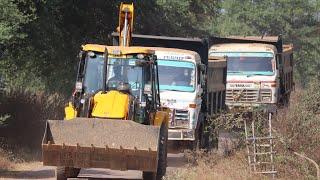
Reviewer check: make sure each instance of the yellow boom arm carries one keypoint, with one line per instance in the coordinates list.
(125, 23)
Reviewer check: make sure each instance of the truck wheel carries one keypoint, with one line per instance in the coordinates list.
(287, 100)
(64, 173)
(199, 142)
(227, 142)
(162, 161)
(148, 175)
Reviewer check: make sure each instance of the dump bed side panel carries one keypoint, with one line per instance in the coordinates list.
(286, 69)
(193, 44)
(216, 84)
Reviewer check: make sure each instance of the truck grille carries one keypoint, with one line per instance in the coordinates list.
(247, 95)
(179, 118)
(242, 95)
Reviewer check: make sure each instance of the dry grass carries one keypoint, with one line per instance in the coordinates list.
(18, 162)
(297, 129)
(11, 165)
(5, 163)
(22, 130)
(214, 166)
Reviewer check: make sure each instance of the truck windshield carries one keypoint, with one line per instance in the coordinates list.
(249, 63)
(176, 75)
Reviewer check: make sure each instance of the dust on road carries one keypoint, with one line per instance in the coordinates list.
(37, 171)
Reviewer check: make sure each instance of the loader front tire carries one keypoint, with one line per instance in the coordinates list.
(63, 173)
(162, 162)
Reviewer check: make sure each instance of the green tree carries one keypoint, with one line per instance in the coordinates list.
(39, 40)
(298, 22)
(11, 21)
(189, 17)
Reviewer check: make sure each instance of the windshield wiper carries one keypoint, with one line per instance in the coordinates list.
(255, 74)
(235, 72)
(166, 90)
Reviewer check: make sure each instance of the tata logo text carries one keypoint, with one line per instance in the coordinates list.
(240, 85)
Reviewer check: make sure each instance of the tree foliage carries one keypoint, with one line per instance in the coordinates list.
(12, 19)
(39, 39)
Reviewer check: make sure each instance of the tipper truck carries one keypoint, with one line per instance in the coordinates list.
(260, 70)
(115, 119)
(190, 84)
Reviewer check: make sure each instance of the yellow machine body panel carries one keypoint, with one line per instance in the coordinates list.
(70, 111)
(162, 117)
(113, 105)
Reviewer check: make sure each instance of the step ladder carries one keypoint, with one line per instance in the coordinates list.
(259, 142)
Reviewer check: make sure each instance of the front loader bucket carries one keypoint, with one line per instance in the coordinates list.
(101, 143)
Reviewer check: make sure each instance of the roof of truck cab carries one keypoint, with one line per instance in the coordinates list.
(117, 49)
(174, 51)
(242, 47)
(256, 38)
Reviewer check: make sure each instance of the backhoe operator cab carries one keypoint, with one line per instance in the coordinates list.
(125, 74)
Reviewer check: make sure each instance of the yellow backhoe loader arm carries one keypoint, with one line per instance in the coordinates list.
(125, 23)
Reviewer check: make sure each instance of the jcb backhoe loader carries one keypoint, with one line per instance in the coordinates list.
(114, 119)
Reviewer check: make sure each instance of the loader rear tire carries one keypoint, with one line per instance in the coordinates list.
(162, 162)
(63, 173)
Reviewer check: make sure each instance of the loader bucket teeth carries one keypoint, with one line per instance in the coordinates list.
(101, 143)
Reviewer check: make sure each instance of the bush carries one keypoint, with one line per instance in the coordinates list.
(298, 129)
(24, 115)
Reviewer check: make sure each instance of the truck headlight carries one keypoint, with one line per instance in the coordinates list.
(266, 99)
(266, 95)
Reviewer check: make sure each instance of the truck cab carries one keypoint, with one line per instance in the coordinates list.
(181, 80)
(259, 71)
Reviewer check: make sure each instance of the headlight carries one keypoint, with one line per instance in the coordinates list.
(266, 99)
(266, 95)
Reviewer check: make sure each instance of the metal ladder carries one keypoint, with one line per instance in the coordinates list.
(260, 144)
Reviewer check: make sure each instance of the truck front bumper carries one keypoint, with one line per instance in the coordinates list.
(181, 134)
(236, 107)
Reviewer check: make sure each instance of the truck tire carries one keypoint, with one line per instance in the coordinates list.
(64, 173)
(287, 100)
(200, 139)
(228, 142)
(162, 161)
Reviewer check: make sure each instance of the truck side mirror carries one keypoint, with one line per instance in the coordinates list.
(278, 60)
(203, 76)
(202, 67)
(203, 80)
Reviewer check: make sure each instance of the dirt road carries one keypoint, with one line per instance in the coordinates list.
(37, 171)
